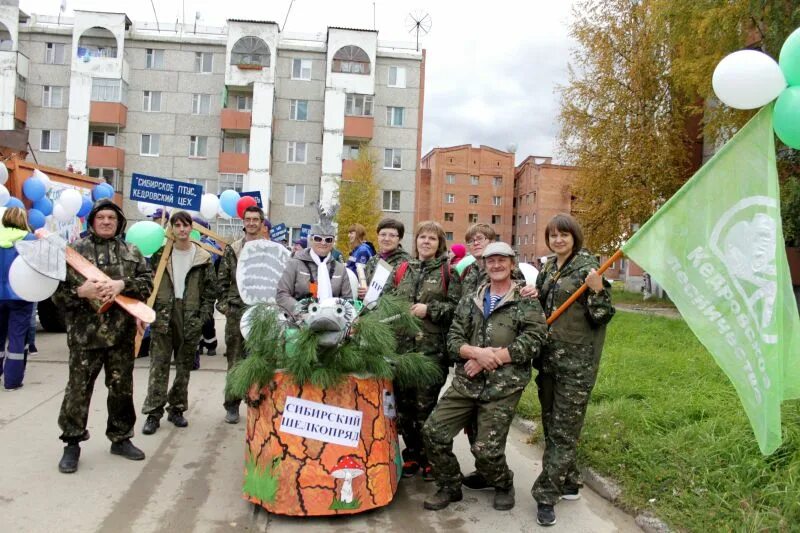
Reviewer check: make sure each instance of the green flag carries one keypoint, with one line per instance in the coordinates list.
(717, 248)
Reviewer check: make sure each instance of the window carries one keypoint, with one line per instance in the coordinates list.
(351, 60)
(86, 51)
(201, 104)
(392, 158)
(472, 218)
(350, 152)
(474, 180)
(55, 54)
(473, 198)
(153, 59)
(111, 175)
(526, 239)
(497, 200)
(296, 152)
(301, 69)
(22, 87)
(231, 181)
(298, 110)
(237, 145)
(391, 200)
(243, 102)
(450, 179)
(448, 217)
(103, 138)
(152, 101)
(149, 144)
(397, 77)
(449, 198)
(495, 219)
(526, 219)
(52, 96)
(533, 218)
(250, 51)
(295, 195)
(394, 116)
(497, 181)
(203, 62)
(359, 105)
(448, 235)
(50, 141)
(198, 146)
(106, 90)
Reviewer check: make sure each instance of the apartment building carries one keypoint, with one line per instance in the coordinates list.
(243, 107)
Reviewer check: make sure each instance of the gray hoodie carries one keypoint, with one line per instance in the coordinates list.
(300, 270)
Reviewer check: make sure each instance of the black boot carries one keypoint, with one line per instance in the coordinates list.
(127, 450)
(151, 425)
(504, 499)
(177, 418)
(442, 499)
(69, 461)
(232, 415)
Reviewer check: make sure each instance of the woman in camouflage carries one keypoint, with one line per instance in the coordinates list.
(570, 360)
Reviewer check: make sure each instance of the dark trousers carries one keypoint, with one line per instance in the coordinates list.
(15, 318)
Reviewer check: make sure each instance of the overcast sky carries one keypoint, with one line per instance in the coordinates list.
(492, 66)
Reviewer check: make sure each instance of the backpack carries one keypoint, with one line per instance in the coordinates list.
(400, 273)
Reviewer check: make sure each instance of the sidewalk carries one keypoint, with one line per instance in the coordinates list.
(192, 477)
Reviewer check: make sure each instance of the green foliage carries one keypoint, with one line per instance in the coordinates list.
(358, 199)
(340, 505)
(790, 210)
(666, 423)
(261, 483)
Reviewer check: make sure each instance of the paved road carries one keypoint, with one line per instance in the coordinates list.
(192, 478)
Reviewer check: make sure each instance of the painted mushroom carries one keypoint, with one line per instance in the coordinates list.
(347, 469)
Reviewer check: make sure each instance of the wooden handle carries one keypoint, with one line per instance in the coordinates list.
(605, 266)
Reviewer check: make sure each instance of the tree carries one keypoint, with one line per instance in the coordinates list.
(358, 199)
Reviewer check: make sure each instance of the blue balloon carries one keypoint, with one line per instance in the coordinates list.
(44, 205)
(228, 200)
(15, 202)
(103, 190)
(33, 189)
(35, 219)
(86, 206)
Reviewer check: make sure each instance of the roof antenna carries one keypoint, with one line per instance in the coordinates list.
(283, 28)
(417, 21)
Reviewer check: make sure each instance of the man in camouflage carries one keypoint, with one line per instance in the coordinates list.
(390, 233)
(101, 341)
(230, 302)
(494, 338)
(184, 302)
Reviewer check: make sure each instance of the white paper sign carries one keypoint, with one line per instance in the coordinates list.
(382, 272)
(328, 423)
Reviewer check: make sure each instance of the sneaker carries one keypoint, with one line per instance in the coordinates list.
(442, 499)
(32, 349)
(427, 473)
(232, 416)
(571, 493)
(504, 499)
(475, 481)
(211, 351)
(410, 468)
(177, 418)
(151, 425)
(545, 515)
(69, 461)
(127, 450)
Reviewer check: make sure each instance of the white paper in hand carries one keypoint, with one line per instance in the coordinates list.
(530, 273)
(378, 282)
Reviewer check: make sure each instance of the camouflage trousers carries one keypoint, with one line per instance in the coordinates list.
(181, 339)
(564, 385)
(414, 406)
(450, 416)
(84, 367)
(234, 349)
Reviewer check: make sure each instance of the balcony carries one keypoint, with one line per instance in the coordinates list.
(358, 128)
(20, 110)
(349, 167)
(234, 163)
(106, 157)
(108, 114)
(231, 119)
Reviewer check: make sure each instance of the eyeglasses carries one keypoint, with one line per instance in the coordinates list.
(318, 238)
(477, 240)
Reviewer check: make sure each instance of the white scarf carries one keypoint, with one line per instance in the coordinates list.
(324, 288)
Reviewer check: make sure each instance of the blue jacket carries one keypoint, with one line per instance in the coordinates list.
(9, 236)
(360, 254)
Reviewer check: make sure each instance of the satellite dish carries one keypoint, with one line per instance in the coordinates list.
(417, 21)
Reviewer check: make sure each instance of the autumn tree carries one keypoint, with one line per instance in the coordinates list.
(358, 199)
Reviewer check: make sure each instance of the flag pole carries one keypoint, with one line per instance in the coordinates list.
(605, 266)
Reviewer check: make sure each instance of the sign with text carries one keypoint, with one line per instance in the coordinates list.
(278, 232)
(161, 191)
(305, 229)
(323, 422)
(379, 279)
(254, 194)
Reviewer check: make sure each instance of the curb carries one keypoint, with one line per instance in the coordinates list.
(607, 488)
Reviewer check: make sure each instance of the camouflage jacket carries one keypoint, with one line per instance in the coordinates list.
(228, 290)
(119, 260)
(395, 258)
(584, 321)
(515, 323)
(423, 283)
(199, 292)
(474, 276)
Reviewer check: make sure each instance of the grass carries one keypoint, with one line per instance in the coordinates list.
(666, 424)
(620, 296)
(261, 483)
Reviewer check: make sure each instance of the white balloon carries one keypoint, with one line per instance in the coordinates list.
(244, 322)
(748, 79)
(44, 178)
(61, 214)
(71, 201)
(147, 209)
(3, 173)
(29, 284)
(5, 196)
(209, 206)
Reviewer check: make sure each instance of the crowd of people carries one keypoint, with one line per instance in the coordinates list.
(482, 321)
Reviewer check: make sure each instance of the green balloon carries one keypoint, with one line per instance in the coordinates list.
(786, 117)
(789, 59)
(195, 235)
(147, 236)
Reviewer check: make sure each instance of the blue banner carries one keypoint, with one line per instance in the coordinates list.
(161, 191)
(278, 232)
(305, 229)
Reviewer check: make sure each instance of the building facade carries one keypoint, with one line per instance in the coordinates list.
(243, 107)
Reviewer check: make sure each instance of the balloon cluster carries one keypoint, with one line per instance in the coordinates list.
(749, 79)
